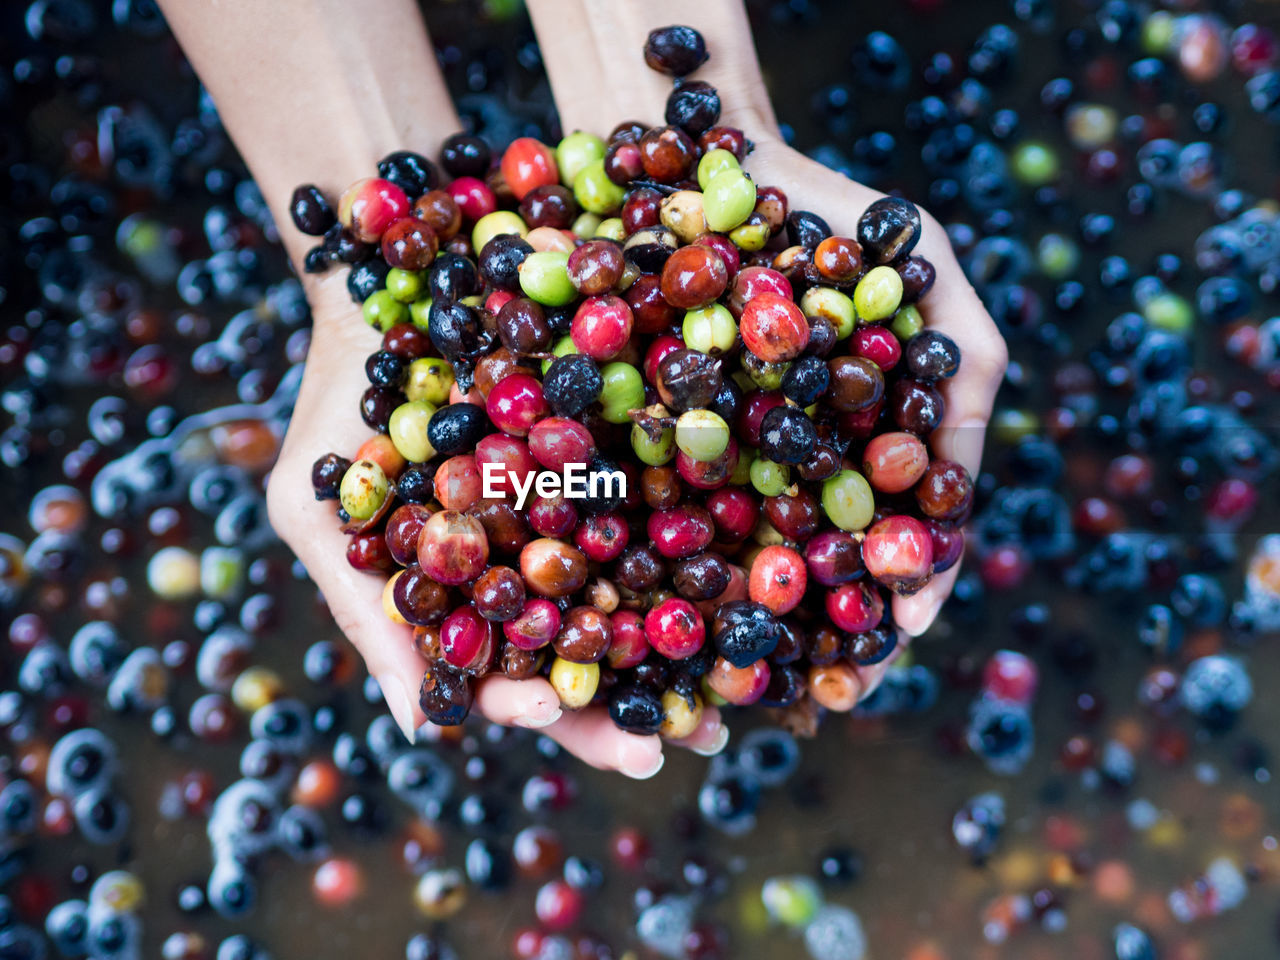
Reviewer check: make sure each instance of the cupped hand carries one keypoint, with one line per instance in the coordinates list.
(327, 418)
(951, 307)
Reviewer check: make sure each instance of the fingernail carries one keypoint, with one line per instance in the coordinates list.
(643, 769)
(715, 746)
(970, 437)
(542, 714)
(397, 696)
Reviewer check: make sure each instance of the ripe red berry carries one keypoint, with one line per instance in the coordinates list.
(898, 552)
(529, 163)
(855, 607)
(601, 327)
(773, 327)
(675, 629)
(778, 579)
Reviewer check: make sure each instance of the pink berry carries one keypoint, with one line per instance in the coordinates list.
(855, 607)
(675, 629)
(466, 640)
(898, 552)
(878, 345)
(601, 327)
(556, 441)
(453, 548)
(628, 648)
(681, 531)
(734, 513)
(739, 685)
(603, 537)
(369, 206)
(473, 197)
(893, 462)
(553, 516)
(778, 579)
(534, 626)
(512, 463)
(516, 403)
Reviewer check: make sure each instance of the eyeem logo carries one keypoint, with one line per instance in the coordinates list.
(574, 482)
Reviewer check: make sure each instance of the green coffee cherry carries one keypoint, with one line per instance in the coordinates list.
(765, 374)
(544, 277)
(586, 226)
(770, 479)
(405, 285)
(702, 434)
(751, 236)
(623, 391)
(595, 192)
(364, 488)
(741, 475)
(791, 901)
(1035, 164)
(831, 304)
(728, 200)
(429, 379)
(494, 225)
(419, 311)
(382, 311)
(652, 452)
(221, 572)
(408, 430)
(907, 323)
(710, 329)
(576, 151)
(848, 500)
(713, 162)
(878, 294)
(611, 229)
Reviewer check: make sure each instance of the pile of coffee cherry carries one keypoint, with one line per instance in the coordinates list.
(752, 391)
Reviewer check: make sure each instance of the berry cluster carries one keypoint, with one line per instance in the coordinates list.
(639, 306)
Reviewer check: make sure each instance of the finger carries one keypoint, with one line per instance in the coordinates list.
(952, 307)
(710, 737)
(522, 703)
(591, 736)
(916, 613)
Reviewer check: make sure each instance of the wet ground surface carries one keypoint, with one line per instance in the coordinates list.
(1094, 842)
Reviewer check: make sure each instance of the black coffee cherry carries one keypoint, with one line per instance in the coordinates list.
(572, 384)
(787, 435)
(311, 211)
(676, 51)
(411, 172)
(457, 428)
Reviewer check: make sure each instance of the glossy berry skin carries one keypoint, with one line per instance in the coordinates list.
(452, 548)
(838, 259)
(535, 626)
(773, 327)
(744, 632)
(446, 695)
(472, 197)
(636, 709)
(404, 527)
(751, 413)
(834, 557)
(787, 435)
(877, 344)
(585, 635)
(310, 211)
(498, 594)
(734, 513)
(948, 544)
(931, 355)
(945, 491)
(675, 629)
(854, 607)
(806, 380)
(556, 441)
(694, 276)
(740, 686)
(778, 579)
(466, 640)
(601, 327)
(552, 569)
(369, 206)
(857, 384)
(893, 462)
(889, 230)
(527, 164)
(681, 531)
(629, 646)
(602, 537)
(553, 516)
(516, 403)
(898, 552)
(676, 51)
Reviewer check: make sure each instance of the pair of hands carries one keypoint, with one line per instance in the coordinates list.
(327, 418)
